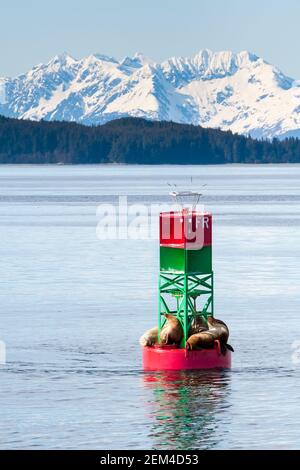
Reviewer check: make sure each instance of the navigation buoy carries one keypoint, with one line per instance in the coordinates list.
(186, 296)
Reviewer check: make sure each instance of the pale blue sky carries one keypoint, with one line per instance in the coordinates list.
(33, 31)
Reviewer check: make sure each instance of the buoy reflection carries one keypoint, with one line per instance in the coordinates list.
(184, 407)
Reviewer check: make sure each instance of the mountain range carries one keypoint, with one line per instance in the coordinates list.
(238, 92)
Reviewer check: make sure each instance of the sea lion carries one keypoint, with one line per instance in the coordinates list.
(219, 329)
(203, 340)
(171, 332)
(150, 337)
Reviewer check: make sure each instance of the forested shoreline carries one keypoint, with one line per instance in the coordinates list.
(134, 141)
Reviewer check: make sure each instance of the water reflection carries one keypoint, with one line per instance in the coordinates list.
(185, 408)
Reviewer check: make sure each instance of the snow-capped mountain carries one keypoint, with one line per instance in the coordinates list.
(240, 92)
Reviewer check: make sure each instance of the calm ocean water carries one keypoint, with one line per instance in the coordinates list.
(73, 308)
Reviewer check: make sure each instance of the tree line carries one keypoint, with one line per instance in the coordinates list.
(135, 140)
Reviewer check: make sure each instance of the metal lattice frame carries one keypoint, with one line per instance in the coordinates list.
(187, 290)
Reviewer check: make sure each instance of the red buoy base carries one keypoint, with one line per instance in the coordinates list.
(172, 358)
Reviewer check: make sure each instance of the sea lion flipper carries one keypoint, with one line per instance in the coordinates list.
(228, 346)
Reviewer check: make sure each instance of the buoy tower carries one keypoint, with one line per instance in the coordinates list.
(185, 288)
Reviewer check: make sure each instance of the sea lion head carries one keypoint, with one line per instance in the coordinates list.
(192, 342)
(171, 318)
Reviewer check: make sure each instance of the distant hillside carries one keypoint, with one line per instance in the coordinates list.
(135, 140)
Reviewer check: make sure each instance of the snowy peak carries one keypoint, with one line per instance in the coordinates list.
(241, 92)
(244, 58)
(105, 58)
(129, 64)
(206, 65)
(63, 59)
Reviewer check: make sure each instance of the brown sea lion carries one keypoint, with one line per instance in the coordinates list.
(221, 332)
(219, 329)
(203, 340)
(171, 332)
(150, 337)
